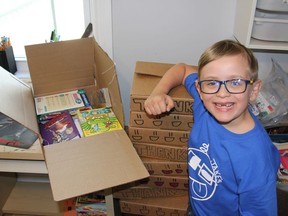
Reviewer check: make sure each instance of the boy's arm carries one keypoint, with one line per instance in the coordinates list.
(159, 101)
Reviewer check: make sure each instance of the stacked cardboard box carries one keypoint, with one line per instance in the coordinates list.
(161, 142)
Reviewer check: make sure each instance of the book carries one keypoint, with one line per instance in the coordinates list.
(103, 98)
(60, 102)
(91, 204)
(94, 197)
(283, 170)
(60, 128)
(282, 174)
(48, 116)
(15, 134)
(92, 209)
(96, 121)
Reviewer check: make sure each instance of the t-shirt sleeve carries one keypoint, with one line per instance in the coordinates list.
(190, 85)
(198, 107)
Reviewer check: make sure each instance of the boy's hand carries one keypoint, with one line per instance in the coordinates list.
(156, 104)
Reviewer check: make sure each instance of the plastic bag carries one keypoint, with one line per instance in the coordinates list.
(271, 105)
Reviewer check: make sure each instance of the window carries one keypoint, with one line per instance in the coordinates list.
(28, 22)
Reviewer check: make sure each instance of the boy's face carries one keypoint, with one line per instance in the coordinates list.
(228, 108)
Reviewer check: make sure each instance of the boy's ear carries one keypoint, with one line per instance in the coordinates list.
(198, 88)
(255, 90)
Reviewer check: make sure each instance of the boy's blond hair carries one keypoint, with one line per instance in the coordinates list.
(229, 48)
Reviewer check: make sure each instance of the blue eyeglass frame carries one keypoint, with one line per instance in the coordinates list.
(224, 83)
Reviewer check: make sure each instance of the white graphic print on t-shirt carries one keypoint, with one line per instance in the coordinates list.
(204, 174)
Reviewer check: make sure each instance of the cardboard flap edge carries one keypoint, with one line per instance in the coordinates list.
(151, 68)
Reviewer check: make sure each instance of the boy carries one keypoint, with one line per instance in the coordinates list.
(232, 162)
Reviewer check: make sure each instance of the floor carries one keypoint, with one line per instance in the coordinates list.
(282, 203)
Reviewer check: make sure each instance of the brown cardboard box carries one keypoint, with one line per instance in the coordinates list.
(146, 77)
(166, 121)
(164, 152)
(178, 182)
(161, 141)
(156, 206)
(167, 137)
(164, 167)
(140, 192)
(164, 181)
(83, 165)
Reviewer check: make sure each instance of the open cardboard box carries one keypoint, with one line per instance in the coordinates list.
(83, 165)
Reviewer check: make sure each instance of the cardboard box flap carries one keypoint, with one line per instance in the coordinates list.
(152, 68)
(64, 65)
(106, 77)
(100, 162)
(146, 77)
(17, 103)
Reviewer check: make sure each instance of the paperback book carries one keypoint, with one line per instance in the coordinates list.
(14, 134)
(92, 209)
(283, 169)
(91, 204)
(61, 102)
(103, 98)
(98, 121)
(60, 128)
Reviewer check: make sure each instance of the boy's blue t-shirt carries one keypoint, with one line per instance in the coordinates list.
(229, 174)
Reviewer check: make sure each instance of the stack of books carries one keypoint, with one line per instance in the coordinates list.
(69, 115)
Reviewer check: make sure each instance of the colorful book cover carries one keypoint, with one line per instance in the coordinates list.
(92, 209)
(59, 129)
(14, 134)
(283, 170)
(73, 112)
(61, 102)
(91, 204)
(98, 121)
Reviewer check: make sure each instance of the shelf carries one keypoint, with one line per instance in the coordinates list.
(23, 166)
(33, 199)
(244, 20)
(268, 45)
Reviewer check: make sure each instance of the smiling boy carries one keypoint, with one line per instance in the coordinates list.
(232, 162)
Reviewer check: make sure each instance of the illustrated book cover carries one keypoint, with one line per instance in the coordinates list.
(91, 204)
(61, 102)
(14, 134)
(98, 121)
(283, 169)
(95, 209)
(59, 129)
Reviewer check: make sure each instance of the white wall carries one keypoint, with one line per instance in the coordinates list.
(170, 31)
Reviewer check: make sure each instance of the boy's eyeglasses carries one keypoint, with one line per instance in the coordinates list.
(234, 86)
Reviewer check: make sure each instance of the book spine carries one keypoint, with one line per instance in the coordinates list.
(84, 97)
